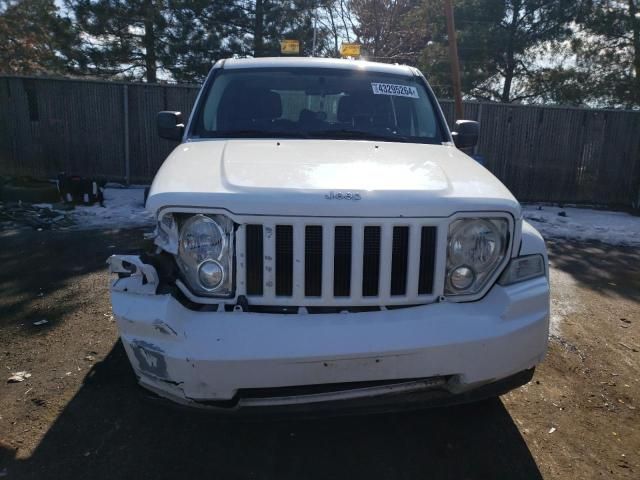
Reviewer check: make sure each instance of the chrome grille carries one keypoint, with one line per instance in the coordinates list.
(327, 262)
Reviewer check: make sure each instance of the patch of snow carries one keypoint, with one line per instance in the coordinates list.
(616, 228)
(123, 208)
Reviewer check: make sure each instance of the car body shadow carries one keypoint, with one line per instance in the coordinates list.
(111, 429)
(42, 272)
(606, 269)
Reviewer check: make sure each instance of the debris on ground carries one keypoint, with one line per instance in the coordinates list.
(633, 349)
(41, 322)
(17, 377)
(35, 215)
(122, 207)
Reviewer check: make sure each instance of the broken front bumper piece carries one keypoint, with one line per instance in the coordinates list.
(245, 360)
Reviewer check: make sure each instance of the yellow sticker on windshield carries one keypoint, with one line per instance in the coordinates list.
(395, 90)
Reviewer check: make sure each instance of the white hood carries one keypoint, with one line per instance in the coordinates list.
(327, 166)
(297, 177)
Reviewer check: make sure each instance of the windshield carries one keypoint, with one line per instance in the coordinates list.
(317, 103)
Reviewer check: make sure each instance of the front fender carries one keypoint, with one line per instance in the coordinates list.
(532, 243)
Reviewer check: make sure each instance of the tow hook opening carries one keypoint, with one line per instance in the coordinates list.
(242, 305)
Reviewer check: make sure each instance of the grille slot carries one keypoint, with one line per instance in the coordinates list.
(334, 264)
(427, 260)
(342, 262)
(399, 257)
(254, 259)
(313, 261)
(284, 260)
(371, 262)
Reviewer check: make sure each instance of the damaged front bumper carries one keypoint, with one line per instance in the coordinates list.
(235, 360)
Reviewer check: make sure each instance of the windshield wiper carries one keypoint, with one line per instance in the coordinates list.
(356, 134)
(255, 133)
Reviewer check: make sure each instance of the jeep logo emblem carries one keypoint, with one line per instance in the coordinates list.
(342, 196)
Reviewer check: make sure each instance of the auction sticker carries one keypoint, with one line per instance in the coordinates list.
(395, 90)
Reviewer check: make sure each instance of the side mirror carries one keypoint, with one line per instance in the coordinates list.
(170, 125)
(466, 133)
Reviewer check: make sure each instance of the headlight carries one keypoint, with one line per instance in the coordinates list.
(205, 253)
(476, 247)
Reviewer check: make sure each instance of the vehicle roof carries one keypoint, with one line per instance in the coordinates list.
(313, 62)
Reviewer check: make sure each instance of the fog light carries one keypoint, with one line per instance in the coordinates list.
(461, 278)
(210, 274)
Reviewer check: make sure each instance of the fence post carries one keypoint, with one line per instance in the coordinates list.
(479, 120)
(125, 105)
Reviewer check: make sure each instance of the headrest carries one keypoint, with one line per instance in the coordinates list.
(348, 107)
(269, 105)
(257, 104)
(377, 108)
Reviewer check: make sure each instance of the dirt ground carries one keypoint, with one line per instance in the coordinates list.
(81, 416)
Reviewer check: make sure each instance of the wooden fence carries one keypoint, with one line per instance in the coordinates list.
(107, 129)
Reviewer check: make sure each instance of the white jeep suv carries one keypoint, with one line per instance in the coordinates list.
(322, 243)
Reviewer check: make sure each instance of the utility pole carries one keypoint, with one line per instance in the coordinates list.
(315, 28)
(258, 40)
(453, 59)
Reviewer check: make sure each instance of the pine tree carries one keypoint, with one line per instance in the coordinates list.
(607, 51)
(476, 22)
(35, 39)
(200, 32)
(270, 21)
(180, 39)
(502, 45)
(123, 38)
